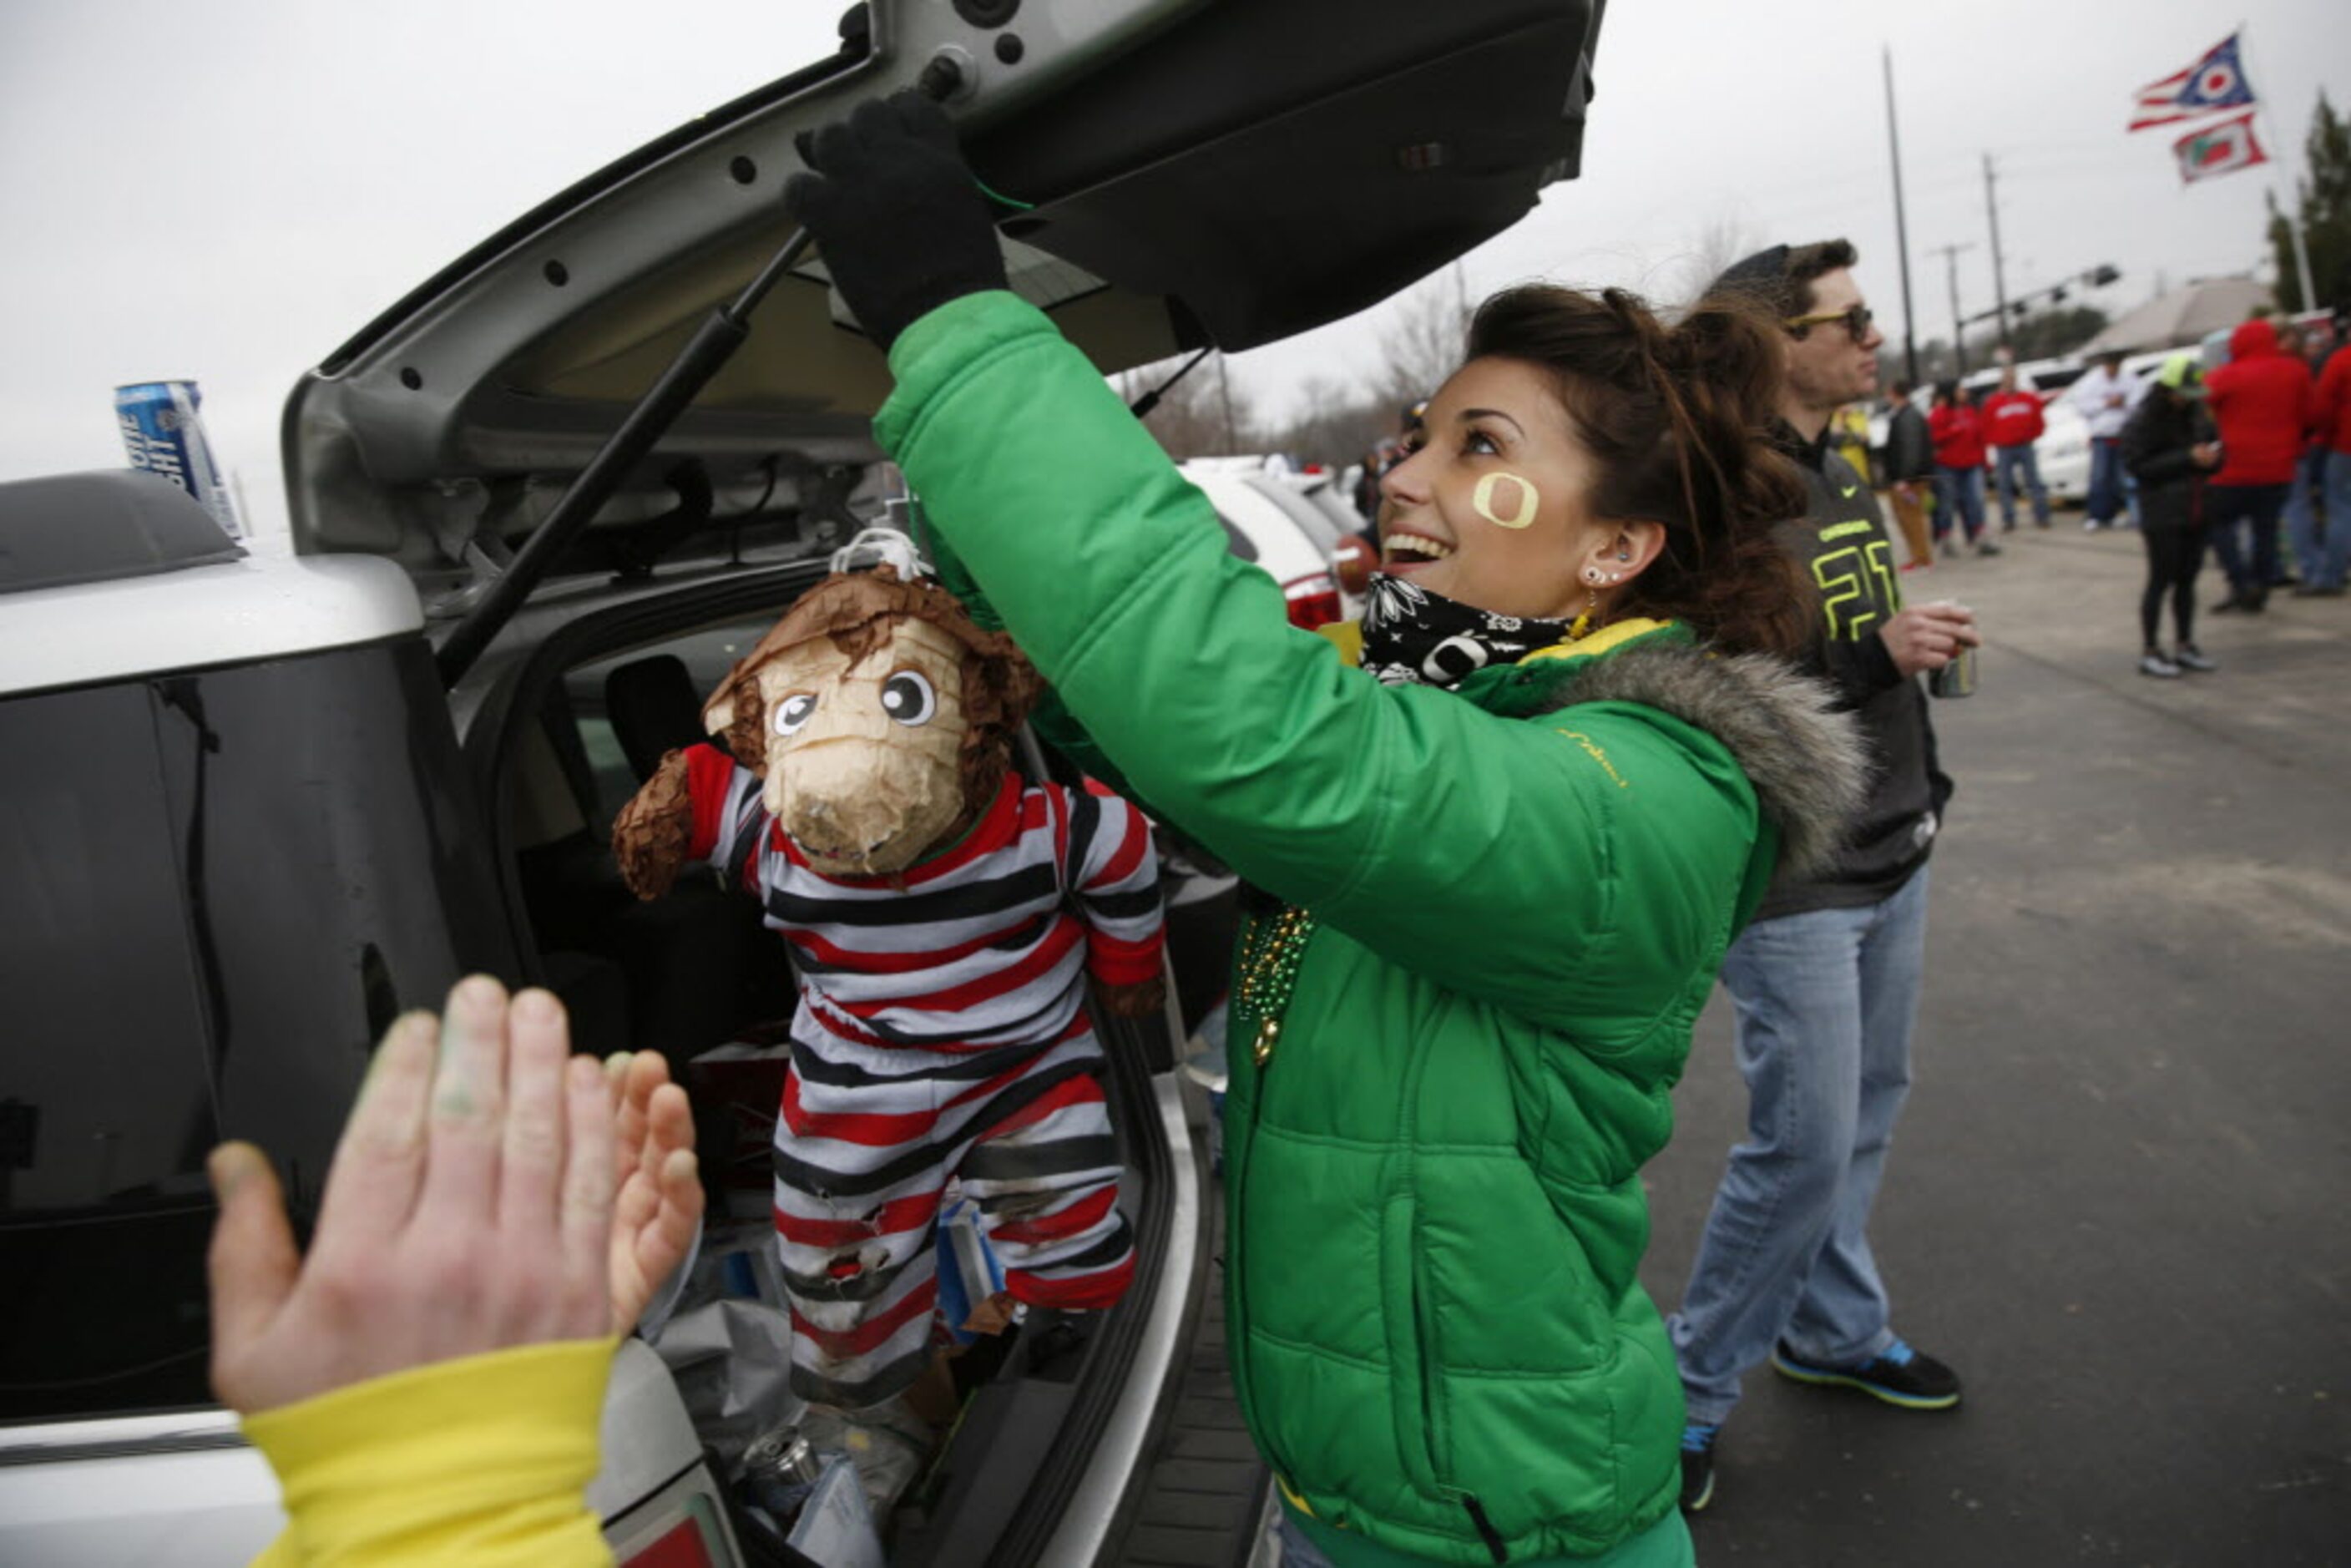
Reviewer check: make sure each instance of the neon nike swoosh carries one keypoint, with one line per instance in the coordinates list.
(1851, 490)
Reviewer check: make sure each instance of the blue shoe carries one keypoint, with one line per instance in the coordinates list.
(1698, 1464)
(1898, 1374)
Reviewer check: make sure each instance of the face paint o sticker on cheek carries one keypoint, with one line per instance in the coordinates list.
(1490, 491)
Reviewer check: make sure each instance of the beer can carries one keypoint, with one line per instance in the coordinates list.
(779, 1468)
(166, 435)
(1956, 679)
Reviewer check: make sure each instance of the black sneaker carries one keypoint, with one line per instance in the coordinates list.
(1898, 1374)
(1698, 1464)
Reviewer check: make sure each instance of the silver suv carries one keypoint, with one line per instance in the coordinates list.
(253, 804)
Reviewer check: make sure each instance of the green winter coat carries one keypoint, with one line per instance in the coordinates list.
(1522, 893)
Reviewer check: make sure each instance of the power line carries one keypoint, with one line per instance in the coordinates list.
(1951, 255)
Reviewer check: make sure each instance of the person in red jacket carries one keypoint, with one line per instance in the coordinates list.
(2326, 470)
(1957, 430)
(2013, 422)
(2261, 401)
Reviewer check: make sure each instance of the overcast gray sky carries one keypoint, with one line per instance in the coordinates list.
(224, 191)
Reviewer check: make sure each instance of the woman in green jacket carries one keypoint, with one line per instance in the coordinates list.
(1500, 875)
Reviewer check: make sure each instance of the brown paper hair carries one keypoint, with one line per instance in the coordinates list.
(855, 610)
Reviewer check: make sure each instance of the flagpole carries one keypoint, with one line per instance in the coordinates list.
(2291, 209)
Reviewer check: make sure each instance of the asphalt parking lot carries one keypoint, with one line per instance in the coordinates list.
(2120, 1199)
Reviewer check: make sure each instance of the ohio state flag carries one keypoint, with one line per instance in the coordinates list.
(2219, 147)
(2213, 83)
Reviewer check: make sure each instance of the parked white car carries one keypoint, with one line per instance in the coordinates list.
(2062, 453)
(2063, 449)
(1271, 523)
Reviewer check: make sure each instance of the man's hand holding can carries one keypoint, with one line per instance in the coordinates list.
(1928, 638)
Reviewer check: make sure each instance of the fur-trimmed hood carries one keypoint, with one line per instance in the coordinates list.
(1806, 758)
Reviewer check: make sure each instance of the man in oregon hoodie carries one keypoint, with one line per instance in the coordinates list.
(2013, 422)
(2260, 402)
(2322, 576)
(1824, 979)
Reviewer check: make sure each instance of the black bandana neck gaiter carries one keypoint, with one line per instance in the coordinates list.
(1413, 637)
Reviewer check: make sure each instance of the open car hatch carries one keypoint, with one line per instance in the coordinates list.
(1193, 174)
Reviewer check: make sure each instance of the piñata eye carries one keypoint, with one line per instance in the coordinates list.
(793, 713)
(907, 697)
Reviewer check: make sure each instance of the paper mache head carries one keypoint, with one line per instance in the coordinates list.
(879, 716)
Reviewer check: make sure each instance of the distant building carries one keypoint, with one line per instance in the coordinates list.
(2181, 319)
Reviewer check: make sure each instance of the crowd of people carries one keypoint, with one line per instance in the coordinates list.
(1636, 702)
(2241, 449)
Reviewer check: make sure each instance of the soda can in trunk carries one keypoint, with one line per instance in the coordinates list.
(780, 1470)
(164, 435)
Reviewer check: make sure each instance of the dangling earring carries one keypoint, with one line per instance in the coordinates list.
(1581, 626)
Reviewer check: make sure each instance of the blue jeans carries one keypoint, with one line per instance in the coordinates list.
(2321, 562)
(2105, 497)
(2227, 509)
(2020, 469)
(1959, 497)
(1825, 1004)
(2334, 560)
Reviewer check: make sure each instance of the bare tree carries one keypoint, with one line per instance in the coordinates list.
(1335, 424)
(1722, 243)
(1422, 342)
(1204, 414)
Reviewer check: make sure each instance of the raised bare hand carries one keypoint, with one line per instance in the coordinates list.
(470, 1207)
(657, 1189)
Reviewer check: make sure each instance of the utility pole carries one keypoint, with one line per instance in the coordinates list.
(1951, 255)
(1998, 286)
(1901, 229)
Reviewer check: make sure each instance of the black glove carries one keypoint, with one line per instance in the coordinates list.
(902, 224)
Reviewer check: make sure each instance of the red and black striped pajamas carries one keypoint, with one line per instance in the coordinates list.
(942, 1036)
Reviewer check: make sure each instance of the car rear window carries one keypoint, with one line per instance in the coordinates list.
(1310, 518)
(220, 887)
(1241, 544)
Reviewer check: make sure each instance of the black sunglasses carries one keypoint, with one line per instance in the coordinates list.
(1856, 321)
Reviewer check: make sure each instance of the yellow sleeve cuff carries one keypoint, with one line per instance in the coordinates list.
(478, 1463)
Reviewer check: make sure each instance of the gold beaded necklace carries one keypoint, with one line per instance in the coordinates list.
(1272, 951)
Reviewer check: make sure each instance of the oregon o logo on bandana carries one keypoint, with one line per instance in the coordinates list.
(1482, 501)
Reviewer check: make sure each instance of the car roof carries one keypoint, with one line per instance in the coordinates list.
(2040, 375)
(67, 528)
(268, 605)
(120, 573)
